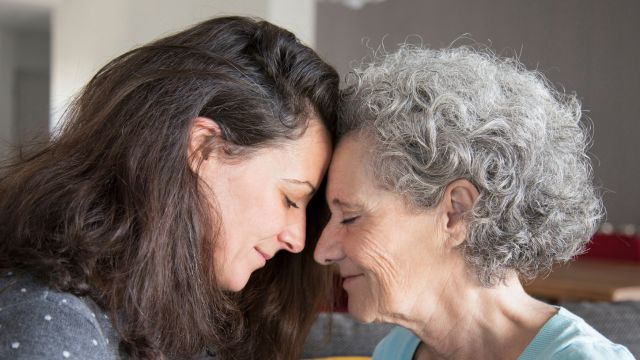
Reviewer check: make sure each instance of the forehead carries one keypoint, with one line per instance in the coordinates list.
(349, 171)
(313, 147)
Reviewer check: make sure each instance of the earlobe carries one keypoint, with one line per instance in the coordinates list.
(203, 135)
(460, 196)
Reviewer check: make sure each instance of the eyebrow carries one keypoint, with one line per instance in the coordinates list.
(301, 182)
(345, 204)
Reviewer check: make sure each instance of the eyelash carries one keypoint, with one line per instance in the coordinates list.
(350, 220)
(290, 203)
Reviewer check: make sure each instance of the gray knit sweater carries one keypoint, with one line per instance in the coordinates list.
(37, 322)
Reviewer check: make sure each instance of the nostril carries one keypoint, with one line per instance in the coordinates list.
(291, 242)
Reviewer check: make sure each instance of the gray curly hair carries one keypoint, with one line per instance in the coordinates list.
(435, 116)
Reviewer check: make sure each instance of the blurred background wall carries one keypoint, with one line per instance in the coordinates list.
(50, 48)
(585, 46)
(24, 73)
(67, 41)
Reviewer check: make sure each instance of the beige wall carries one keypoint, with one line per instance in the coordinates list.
(586, 46)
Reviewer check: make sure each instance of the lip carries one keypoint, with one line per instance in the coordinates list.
(348, 279)
(265, 256)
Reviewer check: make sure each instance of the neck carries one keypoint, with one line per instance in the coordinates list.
(469, 321)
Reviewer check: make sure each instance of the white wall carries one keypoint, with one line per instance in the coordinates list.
(86, 34)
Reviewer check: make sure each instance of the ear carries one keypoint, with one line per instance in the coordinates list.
(203, 136)
(458, 200)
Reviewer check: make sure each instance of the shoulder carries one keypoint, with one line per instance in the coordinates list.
(399, 344)
(39, 323)
(567, 336)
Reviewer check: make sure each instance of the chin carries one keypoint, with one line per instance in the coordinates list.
(235, 283)
(235, 287)
(359, 311)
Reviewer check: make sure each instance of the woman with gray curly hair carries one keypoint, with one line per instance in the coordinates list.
(458, 174)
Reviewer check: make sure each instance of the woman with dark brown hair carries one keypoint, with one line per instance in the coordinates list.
(183, 166)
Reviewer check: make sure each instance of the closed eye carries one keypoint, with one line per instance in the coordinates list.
(350, 220)
(291, 203)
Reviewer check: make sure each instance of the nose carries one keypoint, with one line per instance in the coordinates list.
(291, 238)
(329, 247)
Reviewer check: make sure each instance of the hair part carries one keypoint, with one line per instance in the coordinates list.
(435, 116)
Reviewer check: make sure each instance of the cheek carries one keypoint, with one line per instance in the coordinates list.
(255, 216)
(225, 254)
(266, 215)
(371, 254)
(233, 264)
(384, 274)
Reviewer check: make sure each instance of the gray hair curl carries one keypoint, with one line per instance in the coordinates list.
(435, 116)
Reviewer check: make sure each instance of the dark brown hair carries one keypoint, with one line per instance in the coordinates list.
(110, 208)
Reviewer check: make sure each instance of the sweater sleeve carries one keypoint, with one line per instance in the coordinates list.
(37, 327)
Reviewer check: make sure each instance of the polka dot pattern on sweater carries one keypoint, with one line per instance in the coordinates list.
(37, 320)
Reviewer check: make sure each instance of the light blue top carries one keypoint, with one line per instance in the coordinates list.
(565, 336)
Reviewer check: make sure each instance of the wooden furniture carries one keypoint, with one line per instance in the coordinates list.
(589, 279)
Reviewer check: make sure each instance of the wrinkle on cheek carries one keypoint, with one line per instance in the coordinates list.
(378, 262)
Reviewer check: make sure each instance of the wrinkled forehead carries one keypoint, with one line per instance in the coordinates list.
(352, 177)
(350, 171)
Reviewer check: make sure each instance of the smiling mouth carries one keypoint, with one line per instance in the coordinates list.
(265, 256)
(349, 278)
